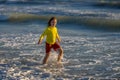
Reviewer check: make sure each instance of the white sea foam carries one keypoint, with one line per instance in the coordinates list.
(82, 54)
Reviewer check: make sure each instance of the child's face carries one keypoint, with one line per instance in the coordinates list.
(53, 22)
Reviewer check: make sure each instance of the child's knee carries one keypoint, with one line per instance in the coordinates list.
(61, 51)
(47, 54)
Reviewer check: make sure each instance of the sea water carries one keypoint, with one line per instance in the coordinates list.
(90, 34)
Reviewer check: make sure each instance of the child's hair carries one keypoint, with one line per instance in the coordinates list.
(49, 22)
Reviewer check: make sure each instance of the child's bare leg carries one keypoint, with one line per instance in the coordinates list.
(46, 58)
(60, 56)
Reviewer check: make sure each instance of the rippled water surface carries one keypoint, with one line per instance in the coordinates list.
(90, 40)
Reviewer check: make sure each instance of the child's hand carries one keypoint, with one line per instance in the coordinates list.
(40, 41)
(59, 40)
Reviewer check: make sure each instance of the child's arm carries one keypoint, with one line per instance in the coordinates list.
(40, 41)
(42, 37)
(58, 38)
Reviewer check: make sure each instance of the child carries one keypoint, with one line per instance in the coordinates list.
(52, 40)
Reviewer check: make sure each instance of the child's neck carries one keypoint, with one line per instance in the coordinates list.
(52, 26)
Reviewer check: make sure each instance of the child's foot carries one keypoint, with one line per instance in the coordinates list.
(44, 65)
(59, 62)
(60, 65)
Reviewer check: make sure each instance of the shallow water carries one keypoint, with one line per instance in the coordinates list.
(86, 54)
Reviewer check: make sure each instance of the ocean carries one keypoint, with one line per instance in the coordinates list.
(90, 33)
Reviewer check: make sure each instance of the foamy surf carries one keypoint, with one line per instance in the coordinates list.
(29, 67)
(84, 56)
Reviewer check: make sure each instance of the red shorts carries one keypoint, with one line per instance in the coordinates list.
(50, 46)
